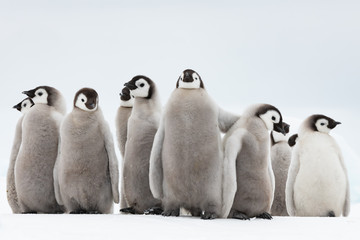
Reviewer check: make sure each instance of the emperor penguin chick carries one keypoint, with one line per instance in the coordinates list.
(86, 173)
(317, 184)
(247, 149)
(121, 122)
(186, 164)
(24, 106)
(280, 162)
(38, 152)
(142, 126)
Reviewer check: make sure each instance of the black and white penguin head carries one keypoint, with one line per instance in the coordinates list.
(189, 79)
(127, 100)
(43, 94)
(25, 105)
(278, 137)
(86, 99)
(293, 139)
(140, 86)
(322, 123)
(271, 117)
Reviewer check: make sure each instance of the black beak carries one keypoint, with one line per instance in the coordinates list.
(333, 124)
(17, 107)
(279, 128)
(286, 127)
(130, 86)
(30, 93)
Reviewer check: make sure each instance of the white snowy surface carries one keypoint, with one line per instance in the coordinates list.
(117, 226)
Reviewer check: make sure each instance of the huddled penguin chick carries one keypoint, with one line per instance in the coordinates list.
(121, 122)
(317, 184)
(247, 151)
(280, 162)
(38, 151)
(142, 126)
(24, 106)
(186, 164)
(86, 173)
(292, 140)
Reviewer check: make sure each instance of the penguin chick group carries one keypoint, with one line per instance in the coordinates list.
(173, 158)
(62, 164)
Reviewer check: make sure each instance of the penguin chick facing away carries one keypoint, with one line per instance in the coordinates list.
(186, 164)
(142, 126)
(317, 184)
(24, 106)
(86, 172)
(38, 151)
(280, 162)
(247, 151)
(121, 122)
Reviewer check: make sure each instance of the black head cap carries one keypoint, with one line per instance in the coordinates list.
(132, 84)
(314, 118)
(278, 127)
(91, 95)
(52, 94)
(187, 76)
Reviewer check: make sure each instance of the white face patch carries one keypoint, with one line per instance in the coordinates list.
(322, 125)
(128, 103)
(270, 118)
(25, 106)
(81, 101)
(190, 85)
(41, 96)
(142, 88)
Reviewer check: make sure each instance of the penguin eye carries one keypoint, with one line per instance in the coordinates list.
(273, 118)
(141, 85)
(24, 105)
(40, 94)
(82, 100)
(322, 124)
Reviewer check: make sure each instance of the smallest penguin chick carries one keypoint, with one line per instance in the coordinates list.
(25, 105)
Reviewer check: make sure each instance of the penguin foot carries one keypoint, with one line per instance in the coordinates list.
(331, 214)
(78, 212)
(29, 212)
(172, 212)
(154, 211)
(130, 210)
(208, 215)
(240, 215)
(264, 215)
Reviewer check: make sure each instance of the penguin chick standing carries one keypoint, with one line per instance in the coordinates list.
(142, 126)
(86, 173)
(247, 149)
(186, 164)
(121, 122)
(38, 151)
(280, 162)
(317, 184)
(24, 106)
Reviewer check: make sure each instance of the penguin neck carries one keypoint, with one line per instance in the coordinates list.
(147, 105)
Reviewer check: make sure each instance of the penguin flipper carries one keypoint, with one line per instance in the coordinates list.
(226, 120)
(113, 161)
(232, 148)
(155, 169)
(10, 178)
(289, 189)
(56, 177)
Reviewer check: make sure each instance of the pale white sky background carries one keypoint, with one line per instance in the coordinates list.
(303, 56)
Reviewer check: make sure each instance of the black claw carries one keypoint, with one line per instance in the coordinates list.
(208, 215)
(78, 212)
(265, 215)
(130, 210)
(240, 215)
(154, 211)
(173, 212)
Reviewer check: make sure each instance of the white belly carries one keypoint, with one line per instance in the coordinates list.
(320, 185)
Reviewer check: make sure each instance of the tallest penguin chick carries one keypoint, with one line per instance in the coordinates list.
(186, 168)
(317, 184)
(38, 151)
(142, 126)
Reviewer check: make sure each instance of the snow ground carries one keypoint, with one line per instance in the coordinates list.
(116, 226)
